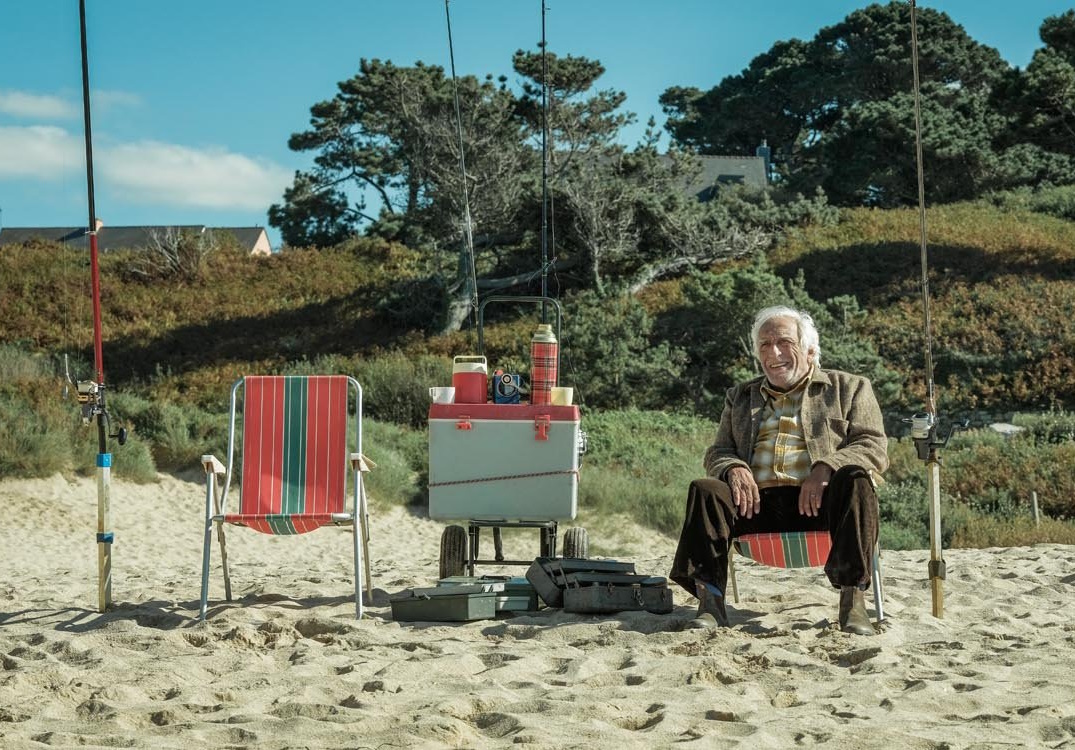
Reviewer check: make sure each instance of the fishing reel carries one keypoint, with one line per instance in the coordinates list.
(924, 433)
(91, 402)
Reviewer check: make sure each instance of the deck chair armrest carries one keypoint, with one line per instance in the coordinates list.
(212, 464)
(360, 462)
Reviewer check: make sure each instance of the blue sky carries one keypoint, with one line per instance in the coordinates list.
(193, 102)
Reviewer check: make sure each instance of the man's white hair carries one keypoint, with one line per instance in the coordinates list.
(808, 338)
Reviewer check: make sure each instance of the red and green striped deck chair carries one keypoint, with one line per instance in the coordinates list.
(796, 549)
(293, 461)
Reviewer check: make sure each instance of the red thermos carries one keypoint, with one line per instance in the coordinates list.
(544, 356)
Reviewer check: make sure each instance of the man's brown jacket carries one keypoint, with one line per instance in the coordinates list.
(840, 417)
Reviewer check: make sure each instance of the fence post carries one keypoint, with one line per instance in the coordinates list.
(1034, 504)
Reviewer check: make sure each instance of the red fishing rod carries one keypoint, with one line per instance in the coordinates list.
(91, 393)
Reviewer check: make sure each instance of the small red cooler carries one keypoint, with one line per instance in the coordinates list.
(503, 462)
(470, 377)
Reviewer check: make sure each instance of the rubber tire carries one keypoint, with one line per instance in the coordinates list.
(576, 543)
(453, 552)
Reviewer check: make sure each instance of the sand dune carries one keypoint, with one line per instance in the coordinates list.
(287, 666)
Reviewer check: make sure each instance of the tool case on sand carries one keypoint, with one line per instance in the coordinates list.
(549, 574)
(603, 593)
(598, 586)
(518, 594)
(460, 603)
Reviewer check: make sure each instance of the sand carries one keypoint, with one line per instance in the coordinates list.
(286, 665)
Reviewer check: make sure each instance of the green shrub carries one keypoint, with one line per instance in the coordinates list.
(1001, 473)
(1050, 427)
(396, 387)
(181, 435)
(904, 515)
(1058, 201)
(618, 363)
(988, 531)
(639, 463)
(132, 461)
(605, 491)
(31, 445)
(18, 364)
(402, 459)
(775, 209)
(177, 435)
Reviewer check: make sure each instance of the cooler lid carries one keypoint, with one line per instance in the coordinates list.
(523, 412)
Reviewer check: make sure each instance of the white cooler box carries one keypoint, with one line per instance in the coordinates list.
(503, 462)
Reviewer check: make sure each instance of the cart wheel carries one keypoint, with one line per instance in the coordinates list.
(548, 541)
(576, 543)
(453, 551)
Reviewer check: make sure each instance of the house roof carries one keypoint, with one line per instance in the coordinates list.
(18, 235)
(117, 238)
(728, 170)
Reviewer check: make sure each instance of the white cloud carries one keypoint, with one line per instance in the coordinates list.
(36, 106)
(106, 100)
(167, 174)
(40, 152)
(146, 172)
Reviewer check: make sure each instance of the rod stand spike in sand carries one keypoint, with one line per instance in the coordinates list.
(91, 399)
(928, 445)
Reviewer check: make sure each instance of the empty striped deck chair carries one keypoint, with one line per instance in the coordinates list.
(796, 549)
(294, 459)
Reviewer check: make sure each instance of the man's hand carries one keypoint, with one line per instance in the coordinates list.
(744, 491)
(812, 490)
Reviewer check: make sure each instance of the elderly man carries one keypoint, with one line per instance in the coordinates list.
(796, 450)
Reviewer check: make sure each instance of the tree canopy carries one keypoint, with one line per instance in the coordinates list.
(616, 213)
(838, 110)
(456, 167)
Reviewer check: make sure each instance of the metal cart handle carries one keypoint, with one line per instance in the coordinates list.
(510, 298)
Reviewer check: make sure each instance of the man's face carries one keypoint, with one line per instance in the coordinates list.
(782, 360)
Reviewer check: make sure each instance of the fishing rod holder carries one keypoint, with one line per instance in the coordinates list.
(924, 434)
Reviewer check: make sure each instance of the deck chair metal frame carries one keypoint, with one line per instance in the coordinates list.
(299, 428)
(796, 549)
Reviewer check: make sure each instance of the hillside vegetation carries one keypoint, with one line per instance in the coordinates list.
(1003, 290)
(1002, 285)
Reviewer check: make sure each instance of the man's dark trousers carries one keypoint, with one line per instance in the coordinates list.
(849, 512)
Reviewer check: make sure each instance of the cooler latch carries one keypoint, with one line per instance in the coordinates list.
(541, 426)
(463, 423)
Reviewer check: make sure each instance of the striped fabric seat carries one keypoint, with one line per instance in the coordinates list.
(294, 454)
(297, 445)
(795, 549)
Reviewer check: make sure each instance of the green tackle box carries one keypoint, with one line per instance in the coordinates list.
(461, 603)
(518, 595)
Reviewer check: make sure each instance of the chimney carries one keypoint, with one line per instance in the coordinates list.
(765, 153)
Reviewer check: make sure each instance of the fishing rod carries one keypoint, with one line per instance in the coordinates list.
(544, 170)
(924, 426)
(468, 228)
(91, 393)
